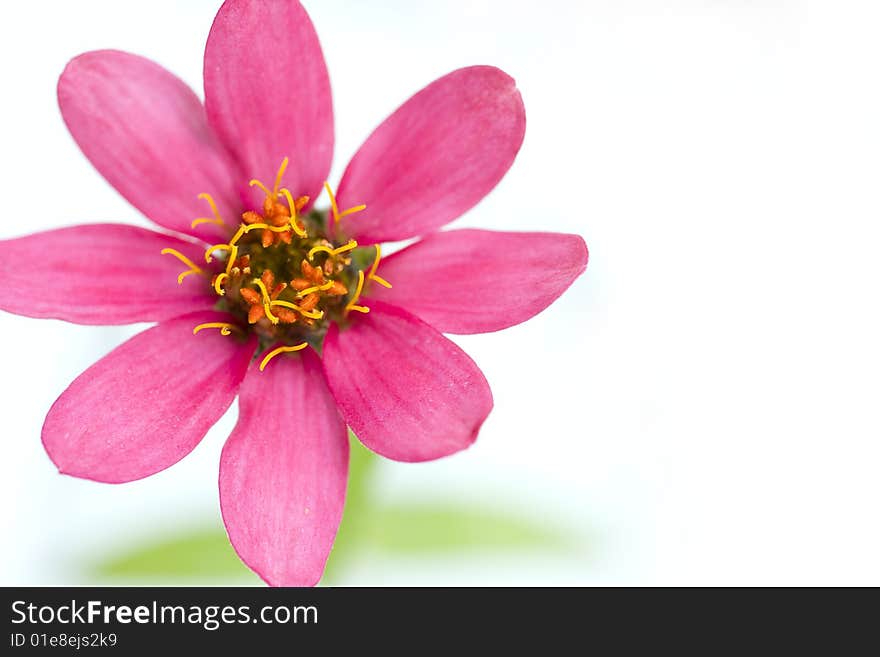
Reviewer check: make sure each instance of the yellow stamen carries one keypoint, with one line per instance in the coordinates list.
(322, 249)
(356, 208)
(233, 256)
(317, 288)
(205, 220)
(242, 229)
(281, 350)
(357, 294)
(334, 208)
(372, 275)
(217, 219)
(345, 247)
(274, 229)
(278, 177)
(266, 300)
(299, 230)
(193, 267)
(217, 247)
(381, 281)
(231, 249)
(265, 189)
(218, 282)
(225, 329)
(333, 252)
(311, 314)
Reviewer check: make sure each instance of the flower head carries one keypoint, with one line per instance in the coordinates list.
(259, 294)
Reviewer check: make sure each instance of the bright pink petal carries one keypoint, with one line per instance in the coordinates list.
(146, 133)
(267, 92)
(148, 403)
(435, 157)
(100, 274)
(476, 281)
(283, 471)
(406, 391)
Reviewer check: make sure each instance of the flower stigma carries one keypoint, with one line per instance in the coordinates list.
(285, 279)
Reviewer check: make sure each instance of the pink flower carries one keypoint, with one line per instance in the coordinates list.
(269, 283)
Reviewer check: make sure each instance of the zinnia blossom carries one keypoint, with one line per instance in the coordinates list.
(257, 294)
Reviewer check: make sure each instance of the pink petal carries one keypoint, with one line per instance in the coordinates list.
(283, 471)
(148, 403)
(476, 281)
(435, 157)
(406, 391)
(267, 92)
(146, 133)
(100, 274)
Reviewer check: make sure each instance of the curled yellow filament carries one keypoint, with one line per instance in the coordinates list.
(266, 190)
(267, 300)
(311, 314)
(372, 275)
(225, 328)
(274, 229)
(351, 305)
(281, 350)
(294, 224)
(316, 288)
(352, 244)
(279, 176)
(217, 219)
(334, 208)
(218, 283)
(193, 267)
(209, 252)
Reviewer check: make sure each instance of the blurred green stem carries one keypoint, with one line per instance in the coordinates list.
(361, 471)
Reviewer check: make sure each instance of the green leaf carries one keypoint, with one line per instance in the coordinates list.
(361, 468)
(417, 529)
(203, 553)
(411, 529)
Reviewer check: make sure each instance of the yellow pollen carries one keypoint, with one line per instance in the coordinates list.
(311, 314)
(217, 219)
(278, 177)
(317, 288)
(357, 294)
(266, 300)
(372, 275)
(193, 267)
(225, 328)
(299, 230)
(333, 252)
(334, 208)
(281, 350)
(218, 282)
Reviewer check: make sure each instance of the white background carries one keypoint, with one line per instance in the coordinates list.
(702, 405)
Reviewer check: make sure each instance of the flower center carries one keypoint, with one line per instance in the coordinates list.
(284, 278)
